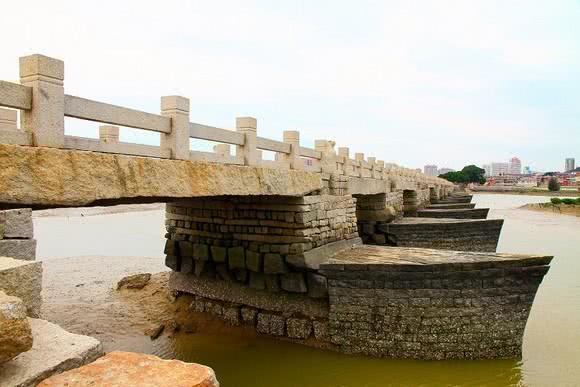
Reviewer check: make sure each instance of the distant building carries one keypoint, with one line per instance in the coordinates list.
(487, 169)
(443, 171)
(570, 164)
(515, 166)
(430, 170)
(527, 170)
(499, 169)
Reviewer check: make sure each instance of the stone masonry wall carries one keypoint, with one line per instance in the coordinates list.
(20, 273)
(446, 234)
(433, 311)
(16, 234)
(266, 243)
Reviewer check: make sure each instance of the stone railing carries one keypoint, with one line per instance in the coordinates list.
(44, 105)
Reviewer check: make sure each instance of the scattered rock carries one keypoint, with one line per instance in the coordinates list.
(54, 350)
(134, 369)
(154, 333)
(136, 281)
(15, 332)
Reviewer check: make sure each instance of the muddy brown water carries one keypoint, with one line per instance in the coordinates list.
(84, 256)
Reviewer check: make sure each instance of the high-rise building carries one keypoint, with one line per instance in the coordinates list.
(430, 170)
(515, 166)
(499, 169)
(443, 171)
(570, 164)
(487, 169)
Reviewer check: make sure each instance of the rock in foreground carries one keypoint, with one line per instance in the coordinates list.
(54, 350)
(135, 281)
(15, 332)
(120, 369)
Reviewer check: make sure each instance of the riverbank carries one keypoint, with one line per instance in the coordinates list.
(527, 192)
(564, 209)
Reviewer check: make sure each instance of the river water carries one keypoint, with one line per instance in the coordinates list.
(94, 251)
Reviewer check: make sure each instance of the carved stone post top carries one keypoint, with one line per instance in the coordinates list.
(40, 67)
(246, 124)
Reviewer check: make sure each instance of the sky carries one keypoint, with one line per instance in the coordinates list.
(439, 82)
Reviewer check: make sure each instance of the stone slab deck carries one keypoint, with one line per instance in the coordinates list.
(445, 234)
(82, 178)
(450, 206)
(54, 350)
(451, 200)
(468, 213)
(431, 304)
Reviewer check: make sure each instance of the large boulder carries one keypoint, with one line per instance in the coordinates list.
(54, 351)
(119, 369)
(22, 279)
(15, 332)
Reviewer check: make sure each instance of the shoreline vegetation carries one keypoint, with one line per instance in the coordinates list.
(556, 208)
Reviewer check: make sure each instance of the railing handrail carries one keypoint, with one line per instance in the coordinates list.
(43, 104)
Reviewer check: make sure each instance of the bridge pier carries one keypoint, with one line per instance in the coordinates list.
(265, 243)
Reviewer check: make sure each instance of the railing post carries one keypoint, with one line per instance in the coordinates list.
(109, 134)
(249, 152)
(176, 108)
(360, 158)
(343, 152)
(292, 137)
(328, 160)
(45, 119)
(8, 119)
(222, 149)
(380, 166)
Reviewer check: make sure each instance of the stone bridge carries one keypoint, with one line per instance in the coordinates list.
(278, 243)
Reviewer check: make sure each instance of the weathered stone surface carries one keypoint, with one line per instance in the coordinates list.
(431, 304)
(18, 248)
(241, 294)
(78, 178)
(135, 281)
(54, 350)
(271, 324)
(249, 315)
(313, 258)
(15, 333)
(293, 282)
(120, 369)
(274, 264)
(298, 328)
(254, 261)
(218, 254)
(317, 285)
(446, 234)
(236, 258)
(16, 223)
(22, 279)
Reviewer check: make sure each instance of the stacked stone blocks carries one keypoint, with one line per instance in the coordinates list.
(266, 243)
(471, 309)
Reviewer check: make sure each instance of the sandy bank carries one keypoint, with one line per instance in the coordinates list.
(92, 211)
(564, 209)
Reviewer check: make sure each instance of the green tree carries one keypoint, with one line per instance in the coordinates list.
(553, 184)
(469, 174)
(474, 174)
